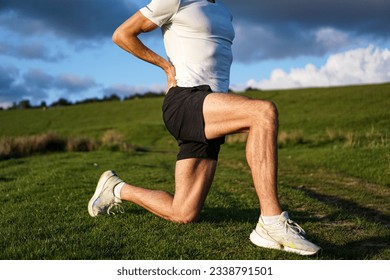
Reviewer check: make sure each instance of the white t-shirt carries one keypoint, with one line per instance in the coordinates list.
(198, 35)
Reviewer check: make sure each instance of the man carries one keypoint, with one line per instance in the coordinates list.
(198, 35)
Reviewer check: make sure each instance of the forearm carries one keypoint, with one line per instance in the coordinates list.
(126, 37)
(132, 44)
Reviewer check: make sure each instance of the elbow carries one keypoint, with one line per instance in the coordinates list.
(122, 36)
(116, 36)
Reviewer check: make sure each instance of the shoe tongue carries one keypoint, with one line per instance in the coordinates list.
(284, 216)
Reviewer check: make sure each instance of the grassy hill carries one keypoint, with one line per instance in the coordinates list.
(334, 179)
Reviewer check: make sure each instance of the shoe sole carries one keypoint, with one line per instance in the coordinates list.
(99, 188)
(262, 242)
(256, 239)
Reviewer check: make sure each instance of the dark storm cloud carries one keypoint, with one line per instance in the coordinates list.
(30, 51)
(70, 19)
(285, 28)
(97, 18)
(266, 29)
(7, 77)
(9, 89)
(360, 16)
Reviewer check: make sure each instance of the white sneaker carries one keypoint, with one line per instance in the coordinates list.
(284, 235)
(104, 201)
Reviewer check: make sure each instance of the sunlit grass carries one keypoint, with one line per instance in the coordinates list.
(334, 179)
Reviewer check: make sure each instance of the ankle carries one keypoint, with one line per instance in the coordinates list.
(118, 189)
(269, 220)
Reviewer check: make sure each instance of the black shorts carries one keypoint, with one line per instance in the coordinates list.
(183, 117)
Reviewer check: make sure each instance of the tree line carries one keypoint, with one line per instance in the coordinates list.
(26, 103)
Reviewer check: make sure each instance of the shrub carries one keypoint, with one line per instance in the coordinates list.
(49, 142)
(81, 144)
(114, 141)
(294, 137)
(23, 146)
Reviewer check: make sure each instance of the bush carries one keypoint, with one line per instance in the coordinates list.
(114, 141)
(28, 145)
(81, 144)
(23, 146)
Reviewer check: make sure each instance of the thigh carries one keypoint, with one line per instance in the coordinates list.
(226, 113)
(193, 179)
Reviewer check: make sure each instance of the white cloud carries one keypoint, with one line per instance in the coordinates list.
(331, 38)
(358, 66)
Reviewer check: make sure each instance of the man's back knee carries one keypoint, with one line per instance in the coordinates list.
(184, 217)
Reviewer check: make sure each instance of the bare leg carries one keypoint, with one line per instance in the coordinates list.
(193, 178)
(226, 114)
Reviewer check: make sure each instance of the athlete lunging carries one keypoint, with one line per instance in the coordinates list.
(199, 113)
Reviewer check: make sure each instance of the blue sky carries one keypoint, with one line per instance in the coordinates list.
(51, 49)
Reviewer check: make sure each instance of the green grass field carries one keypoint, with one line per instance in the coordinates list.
(334, 179)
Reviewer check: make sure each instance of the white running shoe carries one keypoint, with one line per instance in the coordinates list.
(284, 235)
(104, 201)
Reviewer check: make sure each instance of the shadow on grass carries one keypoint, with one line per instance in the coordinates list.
(361, 248)
(369, 214)
(358, 249)
(6, 179)
(365, 249)
(222, 215)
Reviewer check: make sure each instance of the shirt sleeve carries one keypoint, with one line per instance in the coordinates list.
(160, 11)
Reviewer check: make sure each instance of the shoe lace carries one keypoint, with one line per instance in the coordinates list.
(293, 226)
(115, 208)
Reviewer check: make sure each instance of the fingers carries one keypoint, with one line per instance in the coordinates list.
(171, 78)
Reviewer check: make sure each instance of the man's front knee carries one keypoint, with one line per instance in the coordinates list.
(267, 114)
(272, 111)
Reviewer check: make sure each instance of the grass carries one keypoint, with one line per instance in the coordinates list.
(334, 179)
